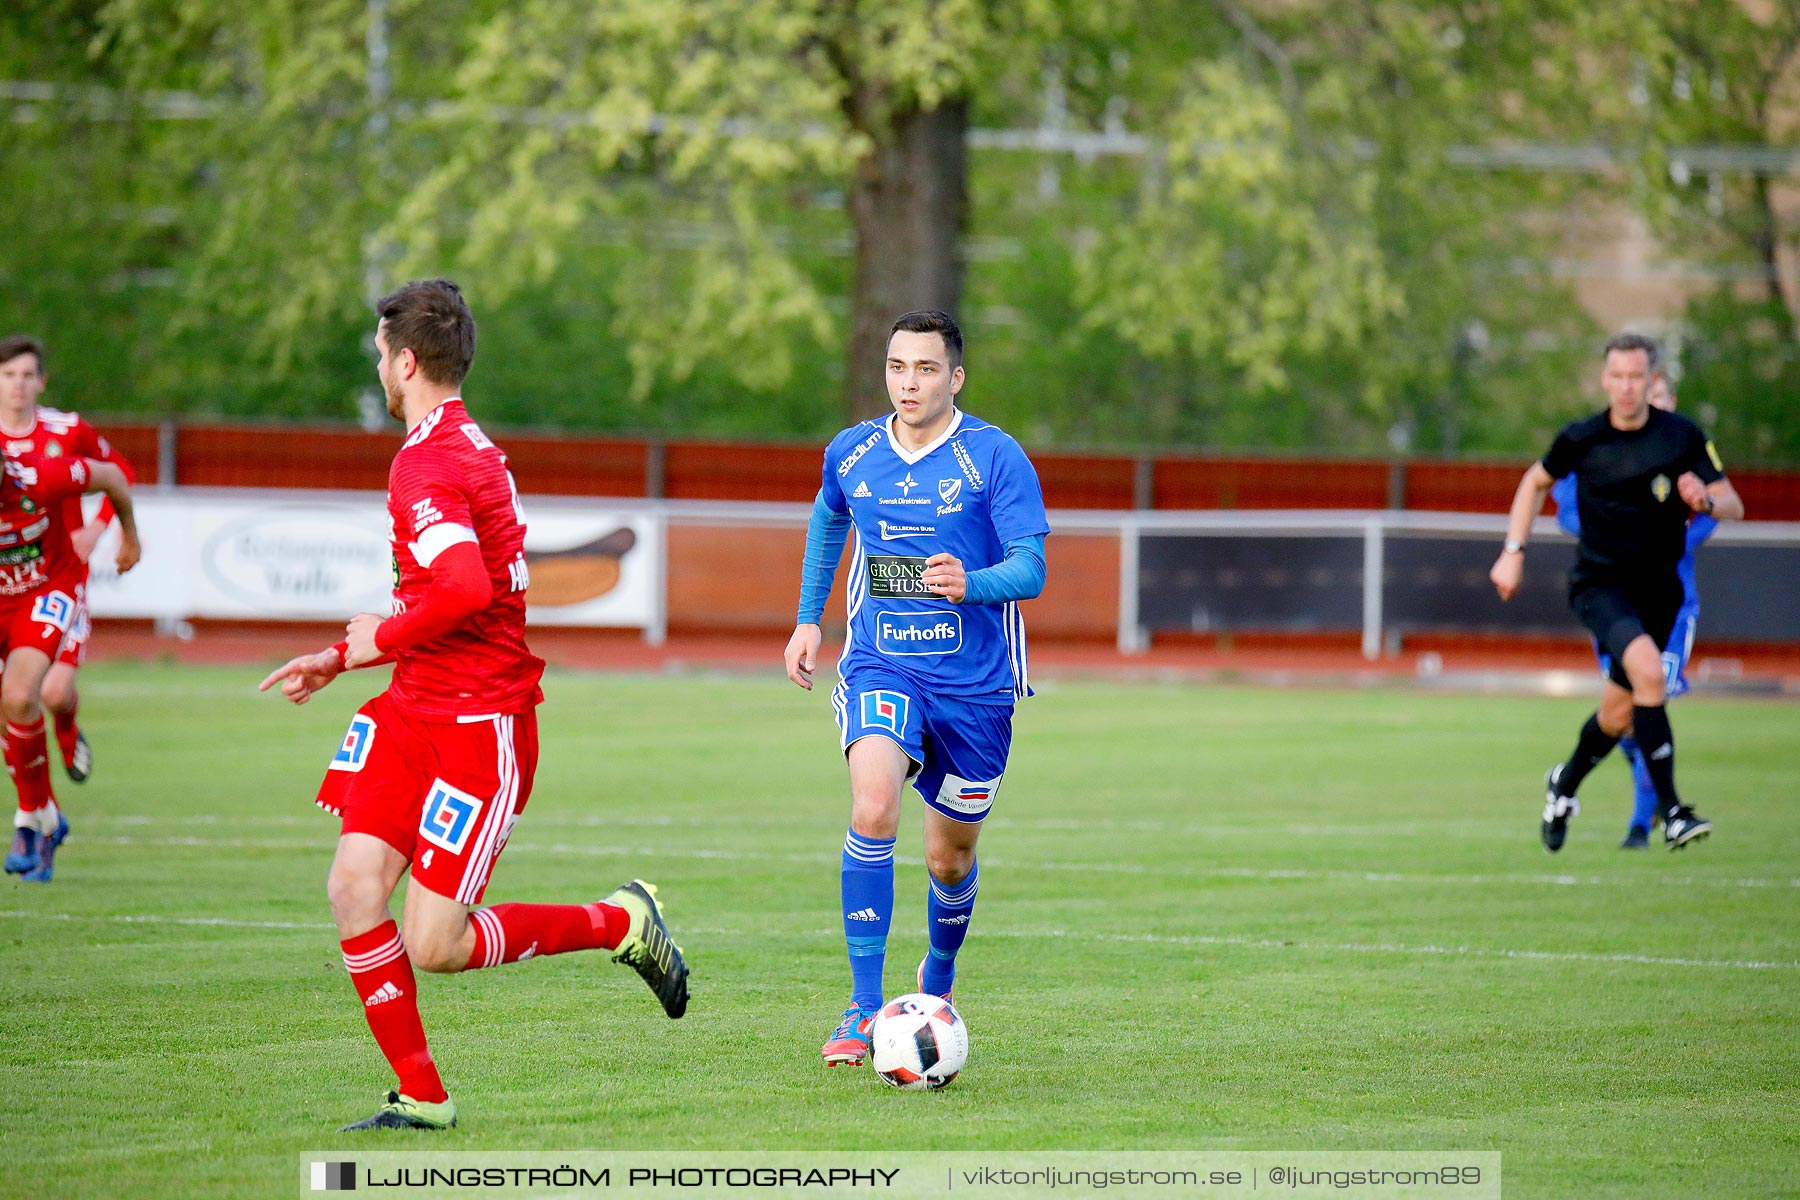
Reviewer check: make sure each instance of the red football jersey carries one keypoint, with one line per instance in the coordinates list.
(449, 484)
(56, 434)
(34, 548)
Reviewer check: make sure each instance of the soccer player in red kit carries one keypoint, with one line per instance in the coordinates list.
(434, 772)
(38, 571)
(32, 429)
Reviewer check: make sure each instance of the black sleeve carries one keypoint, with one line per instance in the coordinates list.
(1564, 454)
(1703, 458)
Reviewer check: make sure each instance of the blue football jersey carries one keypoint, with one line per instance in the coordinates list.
(968, 493)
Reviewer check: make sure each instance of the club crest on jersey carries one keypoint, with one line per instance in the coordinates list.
(885, 710)
(449, 817)
(1659, 487)
(968, 795)
(353, 751)
(948, 490)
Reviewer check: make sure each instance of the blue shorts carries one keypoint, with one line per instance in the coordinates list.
(958, 749)
(1675, 654)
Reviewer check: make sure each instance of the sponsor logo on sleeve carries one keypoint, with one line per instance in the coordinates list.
(968, 795)
(894, 576)
(967, 464)
(424, 513)
(863, 447)
(915, 634)
(477, 438)
(1712, 452)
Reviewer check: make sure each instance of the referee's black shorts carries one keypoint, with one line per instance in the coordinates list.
(1618, 613)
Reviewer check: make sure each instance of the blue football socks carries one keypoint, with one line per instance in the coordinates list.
(947, 912)
(868, 898)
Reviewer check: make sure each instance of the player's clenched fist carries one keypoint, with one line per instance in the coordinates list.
(944, 575)
(1509, 568)
(301, 677)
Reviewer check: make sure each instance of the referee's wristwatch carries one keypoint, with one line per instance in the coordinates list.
(1513, 546)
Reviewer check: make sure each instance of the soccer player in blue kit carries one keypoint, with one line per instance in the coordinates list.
(950, 527)
(1681, 640)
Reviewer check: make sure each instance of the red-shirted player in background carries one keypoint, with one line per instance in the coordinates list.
(29, 429)
(38, 573)
(434, 771)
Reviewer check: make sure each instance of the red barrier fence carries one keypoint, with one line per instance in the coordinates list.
(218, 455)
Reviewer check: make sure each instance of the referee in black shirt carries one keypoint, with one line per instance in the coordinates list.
(1639, 473)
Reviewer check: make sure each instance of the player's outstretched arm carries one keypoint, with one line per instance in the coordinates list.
(301, 677)
(1528, 502)
(111, 479)
(802, 654)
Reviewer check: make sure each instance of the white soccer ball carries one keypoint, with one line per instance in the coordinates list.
(918, 1042)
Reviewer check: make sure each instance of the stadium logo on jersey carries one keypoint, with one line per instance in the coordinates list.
(1659, 487)
(849, 460)
(862, 490)
(967, 464)
(918, 633)
(53, 608)
(895, 577)
(479, 439)
(353, 751)
(885, 710)
(449, 817)
(20, 446)
(893, 532)
(425, 512)
(948, 489)
(968, 795)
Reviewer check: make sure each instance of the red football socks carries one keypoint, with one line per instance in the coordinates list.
(27, 757)
(66, 729)
(383, 976)
(511, 932)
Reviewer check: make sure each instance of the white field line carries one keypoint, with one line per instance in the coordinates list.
(1473, 828)
(1001, 862)
(1254, 943)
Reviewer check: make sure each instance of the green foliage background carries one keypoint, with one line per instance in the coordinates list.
(645, 203)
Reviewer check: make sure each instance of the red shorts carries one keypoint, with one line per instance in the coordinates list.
(74, 647)
(38, 620)
(443, 793)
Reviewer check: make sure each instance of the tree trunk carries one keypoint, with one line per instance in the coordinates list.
(908, 202)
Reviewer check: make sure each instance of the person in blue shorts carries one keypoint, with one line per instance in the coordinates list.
(949, 531)
(1681, 639)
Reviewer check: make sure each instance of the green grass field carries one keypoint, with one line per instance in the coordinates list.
(1210, 918)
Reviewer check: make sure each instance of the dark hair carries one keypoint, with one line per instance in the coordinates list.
(1631, 341)
(431, 319)
(15, 344)
(932, 320)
